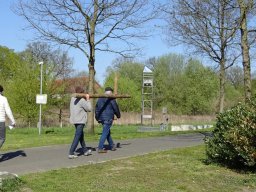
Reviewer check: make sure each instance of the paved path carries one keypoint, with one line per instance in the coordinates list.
(47, 158)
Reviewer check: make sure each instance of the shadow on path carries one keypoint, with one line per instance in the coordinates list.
(107, 147)
(11, 155)
(207, 135)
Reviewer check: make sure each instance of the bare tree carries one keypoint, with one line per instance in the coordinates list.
(59, 64)
(235, 75)
(245, 6)
(89, 26)
(209, 28)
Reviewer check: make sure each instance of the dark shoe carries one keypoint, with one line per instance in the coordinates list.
(113, 148)
(102, 151)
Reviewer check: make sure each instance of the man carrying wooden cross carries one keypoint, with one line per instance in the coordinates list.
(105, 110)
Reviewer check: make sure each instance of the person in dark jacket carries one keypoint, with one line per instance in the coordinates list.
(105, 110)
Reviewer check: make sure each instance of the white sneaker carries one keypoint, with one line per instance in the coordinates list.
(11, 127)
(88, 152)
(72, 156)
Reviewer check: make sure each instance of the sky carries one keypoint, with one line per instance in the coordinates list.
(13, 36)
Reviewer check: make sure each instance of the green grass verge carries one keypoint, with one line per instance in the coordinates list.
(29, 137)
(178, 170)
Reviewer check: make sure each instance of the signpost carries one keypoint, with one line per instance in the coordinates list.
(41, 98)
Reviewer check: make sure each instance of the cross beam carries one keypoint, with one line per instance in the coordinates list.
(82, 95)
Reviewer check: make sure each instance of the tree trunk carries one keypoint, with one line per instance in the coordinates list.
(245, 50)
(92, 23)
(222, 86)
(222, 59)
(90, 122)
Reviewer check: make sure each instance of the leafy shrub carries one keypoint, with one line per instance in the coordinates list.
(234, 137)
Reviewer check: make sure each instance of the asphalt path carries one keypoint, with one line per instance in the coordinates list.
(41, 159)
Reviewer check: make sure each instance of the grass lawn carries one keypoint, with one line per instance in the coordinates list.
(177, 170)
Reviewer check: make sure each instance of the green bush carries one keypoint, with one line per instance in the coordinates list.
(234, 137)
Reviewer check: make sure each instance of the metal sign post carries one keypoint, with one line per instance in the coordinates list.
(38, 99)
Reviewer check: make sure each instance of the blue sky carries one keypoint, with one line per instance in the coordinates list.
(14, 37)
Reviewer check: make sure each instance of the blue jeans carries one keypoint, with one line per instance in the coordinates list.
(106, 135)
(79, 137)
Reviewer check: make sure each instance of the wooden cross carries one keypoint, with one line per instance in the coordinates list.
(100, 95)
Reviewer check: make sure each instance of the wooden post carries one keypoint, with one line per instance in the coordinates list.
(115, 84)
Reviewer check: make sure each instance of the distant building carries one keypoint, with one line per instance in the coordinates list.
(69, 84)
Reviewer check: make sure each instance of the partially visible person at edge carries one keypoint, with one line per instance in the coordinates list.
(106, 109)
(4, 110)
(78, 116)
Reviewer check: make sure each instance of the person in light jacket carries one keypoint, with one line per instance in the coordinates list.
(4, 110)
(78, 117)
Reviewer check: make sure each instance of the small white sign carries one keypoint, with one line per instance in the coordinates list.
(147, 116)
(41, 99)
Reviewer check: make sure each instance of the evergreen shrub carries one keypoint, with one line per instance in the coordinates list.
(234, 138)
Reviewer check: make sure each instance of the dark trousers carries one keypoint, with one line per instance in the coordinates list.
(2, 133)
(106, 134)
(78, 137)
